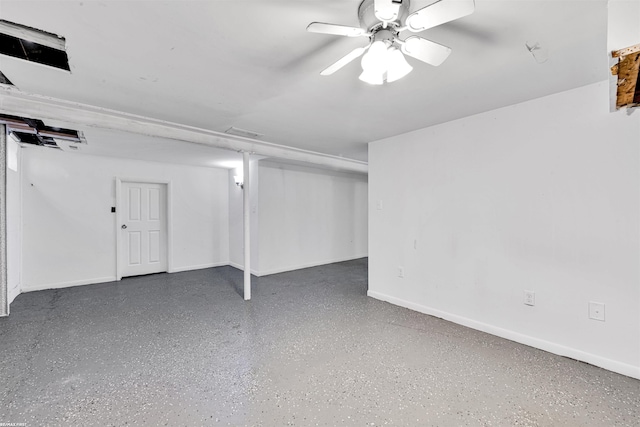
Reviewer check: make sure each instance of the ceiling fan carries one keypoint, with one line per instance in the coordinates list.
(382, 21)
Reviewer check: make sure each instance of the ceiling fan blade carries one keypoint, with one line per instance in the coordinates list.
(335, 29)
(386, 10)
(425, 50)
(438, 13)
(356, 53)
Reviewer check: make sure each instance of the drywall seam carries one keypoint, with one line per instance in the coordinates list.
(611, 365)
(16, 102)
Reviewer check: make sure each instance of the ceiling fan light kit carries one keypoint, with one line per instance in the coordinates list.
(398, 66)
(383, 21)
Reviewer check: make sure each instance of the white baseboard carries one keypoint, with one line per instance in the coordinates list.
(96, 280)
(308, 265)
(60, 285)
(241, 268)
(611, 365)
(198, 267)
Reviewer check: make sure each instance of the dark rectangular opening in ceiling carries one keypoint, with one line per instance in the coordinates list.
(4, 80)
(30, 138)
(33, 45)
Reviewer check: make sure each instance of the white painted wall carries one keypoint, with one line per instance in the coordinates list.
(623, 29)
(301, 216)
(69, 232)
(542, 196)
(235, 220)
(14, 207)
(309, 216)
(236, 215)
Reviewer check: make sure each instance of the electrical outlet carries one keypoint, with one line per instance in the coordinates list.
(415, 243)
(596, 311)
(379, 205)
(401, 272)
(529, 298)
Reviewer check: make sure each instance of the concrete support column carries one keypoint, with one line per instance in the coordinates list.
(4, 296)
(247, 225)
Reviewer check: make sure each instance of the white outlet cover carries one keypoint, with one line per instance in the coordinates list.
(596, 311)
(529, 298)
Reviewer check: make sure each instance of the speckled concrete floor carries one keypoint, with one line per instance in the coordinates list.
(309, 349)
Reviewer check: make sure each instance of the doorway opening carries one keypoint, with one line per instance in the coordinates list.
(143, 227)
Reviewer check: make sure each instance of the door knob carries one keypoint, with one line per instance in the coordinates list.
(124, 226)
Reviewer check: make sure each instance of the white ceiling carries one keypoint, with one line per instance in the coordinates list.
(251, 64)
(106, 142)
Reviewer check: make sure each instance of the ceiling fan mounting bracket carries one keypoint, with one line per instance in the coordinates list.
(367, 16)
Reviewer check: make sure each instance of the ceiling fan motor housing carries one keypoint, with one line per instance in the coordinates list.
(367, 15)
(386, 35)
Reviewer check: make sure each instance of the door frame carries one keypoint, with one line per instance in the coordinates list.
(118, 221)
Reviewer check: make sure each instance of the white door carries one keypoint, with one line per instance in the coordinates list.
(144, 228)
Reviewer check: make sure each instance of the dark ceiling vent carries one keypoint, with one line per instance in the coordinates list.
(33, 45)
(32, 131)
